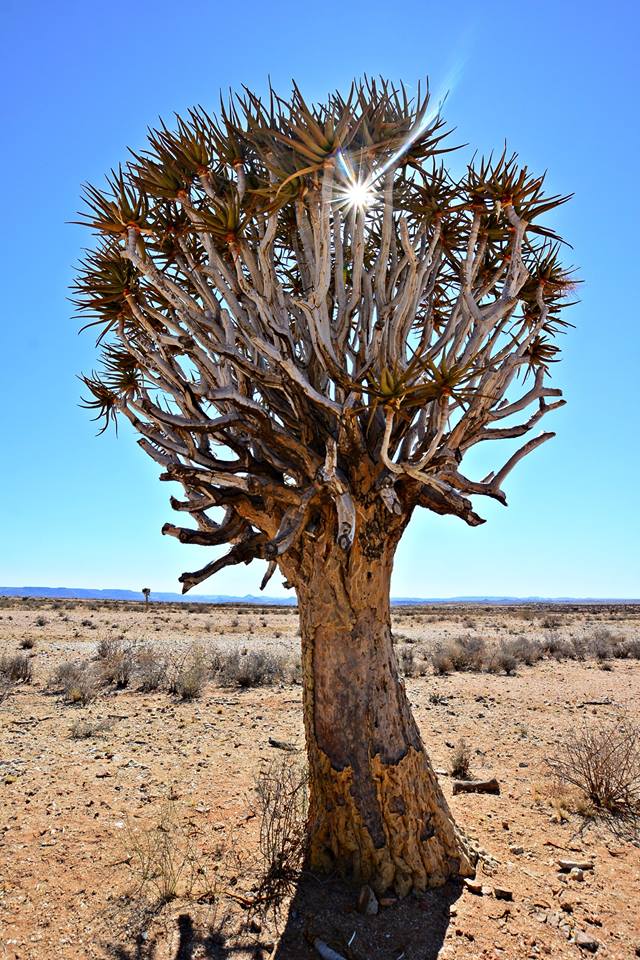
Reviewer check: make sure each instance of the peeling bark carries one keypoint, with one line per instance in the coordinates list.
(377, 813)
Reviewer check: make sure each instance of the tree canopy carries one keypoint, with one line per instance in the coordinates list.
(301, 307)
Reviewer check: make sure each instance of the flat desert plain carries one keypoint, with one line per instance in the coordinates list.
(139, 748)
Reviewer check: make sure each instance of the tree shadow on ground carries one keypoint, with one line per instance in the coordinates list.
(323, 909)
(210, 943)
(413, 928)
(623, 825)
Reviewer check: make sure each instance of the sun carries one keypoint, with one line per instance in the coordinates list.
(359, 194)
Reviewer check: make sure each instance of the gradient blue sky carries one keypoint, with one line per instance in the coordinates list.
(81, 81)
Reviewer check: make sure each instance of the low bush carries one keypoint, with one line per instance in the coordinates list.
(77, 682)
(406, 661)
(17, 668)
(150, 669)
(461, 761)
(188, 677)
(253, 668)
(603, 762)
(503, 658)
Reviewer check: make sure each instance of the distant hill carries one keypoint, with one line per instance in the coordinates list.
(81, 593)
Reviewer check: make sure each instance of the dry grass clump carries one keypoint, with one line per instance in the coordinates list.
(76, 682)
(27, 643)
(85, 728)
(16, 669)
(461, 761)
(166, 861)
(603, 763)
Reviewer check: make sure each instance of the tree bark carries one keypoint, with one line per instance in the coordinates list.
(377, 813)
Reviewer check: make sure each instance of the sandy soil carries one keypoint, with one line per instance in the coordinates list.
(75, 814)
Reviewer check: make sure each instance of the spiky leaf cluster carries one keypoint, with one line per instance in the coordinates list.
(287, 353)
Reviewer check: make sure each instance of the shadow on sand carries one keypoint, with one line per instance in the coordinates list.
(411, 929)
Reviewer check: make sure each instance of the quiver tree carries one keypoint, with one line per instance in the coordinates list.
(310, 321)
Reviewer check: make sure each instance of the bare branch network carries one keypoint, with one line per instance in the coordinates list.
(301, 310)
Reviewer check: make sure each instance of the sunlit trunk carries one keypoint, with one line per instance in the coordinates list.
(377, 813)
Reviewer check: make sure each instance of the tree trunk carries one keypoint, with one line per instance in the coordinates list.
(377, 813)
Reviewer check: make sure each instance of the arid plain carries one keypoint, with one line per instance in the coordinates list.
(138, 745)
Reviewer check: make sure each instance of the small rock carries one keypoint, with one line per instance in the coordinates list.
(473, 886)
(387, 901)
(585, 942)
(516, 850)
(576, 874)
(367, 901)
(501, 893)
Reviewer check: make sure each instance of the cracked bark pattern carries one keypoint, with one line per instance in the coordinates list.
(377, 813)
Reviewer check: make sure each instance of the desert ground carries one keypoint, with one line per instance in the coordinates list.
(136, 743)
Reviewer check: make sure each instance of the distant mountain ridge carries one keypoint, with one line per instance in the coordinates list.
(82, 593)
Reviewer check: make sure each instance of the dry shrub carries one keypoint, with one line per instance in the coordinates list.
(107, 647)
(502, 658)
(77, 682)
(526, 650)
(117, 662)
(441, 661)
(551, 622)
(188, 675)
(461, 761)
(557, 648)
(467, 653)
(16, 669)
(150, 669)
(165, 859)
(603, 762)
(282, 806)
(630, 648)
(27, 643)
(406, 661)
(252, 668)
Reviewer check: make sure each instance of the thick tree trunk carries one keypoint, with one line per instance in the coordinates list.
(377, 813)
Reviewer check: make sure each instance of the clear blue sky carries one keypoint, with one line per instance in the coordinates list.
(81, 81)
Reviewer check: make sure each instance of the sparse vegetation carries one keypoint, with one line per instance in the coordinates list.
(250, 668)
(85, 728)
(603, 762)
(150, 669)
(165, 861)
(17, 668)
(77, 682)
(189, 676)
(282, 807)
(461, 761)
